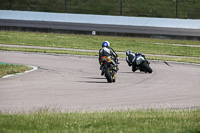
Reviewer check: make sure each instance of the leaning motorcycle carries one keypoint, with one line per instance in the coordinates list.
(108, 69)
(142, 64)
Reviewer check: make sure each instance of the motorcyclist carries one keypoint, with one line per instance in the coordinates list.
(106, 50)
(131, 59)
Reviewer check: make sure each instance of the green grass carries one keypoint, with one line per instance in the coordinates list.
(140, 121)
(6, 69)
(119, 44)
(147, 121)
(49, 51)
(79, 41)
(144, 45)
(176, 59)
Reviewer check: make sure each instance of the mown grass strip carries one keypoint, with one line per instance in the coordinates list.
(49, 51)
(55, 39)
(151, 121)
(120, 44)
(176, 59)
(6, 69)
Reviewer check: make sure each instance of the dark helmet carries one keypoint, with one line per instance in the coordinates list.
(128, 52)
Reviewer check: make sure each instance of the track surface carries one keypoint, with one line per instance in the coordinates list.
(73, 83)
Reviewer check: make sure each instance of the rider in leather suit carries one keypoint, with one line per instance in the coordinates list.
(106, 50)
(131, 59)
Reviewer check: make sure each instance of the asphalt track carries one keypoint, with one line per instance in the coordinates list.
(73, 83)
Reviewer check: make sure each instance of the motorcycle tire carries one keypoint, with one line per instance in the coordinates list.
(146, 67)
(108, 75)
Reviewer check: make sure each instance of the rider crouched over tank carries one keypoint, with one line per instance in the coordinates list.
(107, 51)
(137, 61)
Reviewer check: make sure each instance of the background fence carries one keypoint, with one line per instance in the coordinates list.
(146, 8)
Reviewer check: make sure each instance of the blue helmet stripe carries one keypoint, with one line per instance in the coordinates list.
(104, 44)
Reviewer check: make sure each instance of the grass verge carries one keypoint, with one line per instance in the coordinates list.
(176, 59)
(119, 44)
(149, 121)
(6, 69)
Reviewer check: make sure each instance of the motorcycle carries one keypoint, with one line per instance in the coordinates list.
(142, 64)
(108, 69)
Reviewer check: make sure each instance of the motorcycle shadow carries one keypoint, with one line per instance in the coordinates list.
(125, 72)
(94, 78)
(93, 82)
(137, 72)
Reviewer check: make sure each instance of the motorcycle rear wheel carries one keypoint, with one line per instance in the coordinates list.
(108, 75)
(146, 67)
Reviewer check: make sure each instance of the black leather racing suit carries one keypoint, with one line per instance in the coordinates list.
(131, 60)
(109, 52)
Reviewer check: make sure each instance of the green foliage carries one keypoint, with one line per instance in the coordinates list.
(147, 8)
(150, 121)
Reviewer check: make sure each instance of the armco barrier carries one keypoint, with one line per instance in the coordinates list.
(190, 28)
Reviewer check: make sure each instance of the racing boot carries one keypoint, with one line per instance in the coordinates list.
(101, 67)
(102, 73)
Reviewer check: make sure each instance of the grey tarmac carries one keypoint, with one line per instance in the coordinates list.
(73, 83)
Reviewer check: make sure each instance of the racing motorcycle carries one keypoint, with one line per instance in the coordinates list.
(108, 69)
(142, 64)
